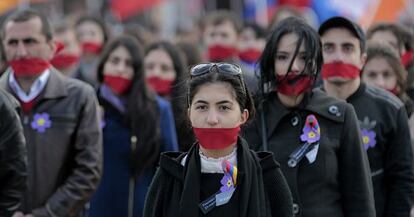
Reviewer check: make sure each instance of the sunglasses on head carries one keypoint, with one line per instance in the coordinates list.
(224, 68)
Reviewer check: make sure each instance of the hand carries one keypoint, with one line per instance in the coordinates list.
(18, 214)
(28, 215)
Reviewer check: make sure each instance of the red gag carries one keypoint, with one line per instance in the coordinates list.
(250, 55)
(293, 84)
(118, 84)
(64, 61)
(339, 69)
(394, 91)
(221, 53)
(59, 47)
(406, 58)
(91, 47)
(29, 66)
(161, 86)
(216, 138)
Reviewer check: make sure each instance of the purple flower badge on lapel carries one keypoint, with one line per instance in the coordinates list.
(368, 139)
(368, 132)
(227, 183)
(311, 130)
(41, 122)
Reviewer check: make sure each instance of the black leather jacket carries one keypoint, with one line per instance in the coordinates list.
(65, 160)
(13, 164)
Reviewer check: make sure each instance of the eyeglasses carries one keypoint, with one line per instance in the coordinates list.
(224, 68)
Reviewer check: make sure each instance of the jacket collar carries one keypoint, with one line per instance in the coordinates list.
(357, 93)
(55, 88)
(316, 102)
(171, 163)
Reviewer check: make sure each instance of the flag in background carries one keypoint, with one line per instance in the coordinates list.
(364, 12)
(259, 11)
(389, 10)
(123, 9)
(6, 5)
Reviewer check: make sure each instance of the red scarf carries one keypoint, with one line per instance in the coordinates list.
(28, 66)
(216, 138)
(163, 87)
(221, 53)
(340, 69)
(293, 84)
(118, 85)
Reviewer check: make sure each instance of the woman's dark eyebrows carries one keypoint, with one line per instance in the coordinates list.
(201, 101)
(328, 44)
(224, 102)
(282, 52)
(217, 103)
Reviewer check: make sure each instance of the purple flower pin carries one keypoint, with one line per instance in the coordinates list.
(368, 139)
(227, 183)
(102, 123)
(41, 122)
(311, 130)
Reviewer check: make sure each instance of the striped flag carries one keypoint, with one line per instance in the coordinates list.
(259, 11)
(123, 9)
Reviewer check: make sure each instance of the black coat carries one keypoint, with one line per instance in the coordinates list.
(13, 155)
(261, 189)
(337, 183)
(390, 156)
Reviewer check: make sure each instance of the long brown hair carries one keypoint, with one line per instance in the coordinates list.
(142, 108)
(380, 50)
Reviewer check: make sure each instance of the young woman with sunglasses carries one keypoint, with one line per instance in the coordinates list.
(219, 175)
(315, 138)
(137, 127)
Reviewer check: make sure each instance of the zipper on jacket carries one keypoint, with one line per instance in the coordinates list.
(133, 143)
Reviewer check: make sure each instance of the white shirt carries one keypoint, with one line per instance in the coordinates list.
(35, 89)
(213, 165)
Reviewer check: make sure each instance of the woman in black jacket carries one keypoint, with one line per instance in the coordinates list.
(219, 176)
(315, 138)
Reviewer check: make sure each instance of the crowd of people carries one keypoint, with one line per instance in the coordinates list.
(244, 120)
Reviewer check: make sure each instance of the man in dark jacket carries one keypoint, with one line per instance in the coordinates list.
(60, 121)
(13, 168)
(382, 116)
